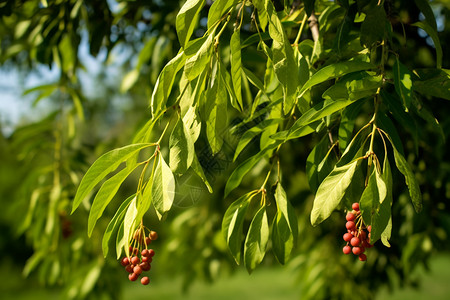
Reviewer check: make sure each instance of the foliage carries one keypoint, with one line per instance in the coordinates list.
(342, 106)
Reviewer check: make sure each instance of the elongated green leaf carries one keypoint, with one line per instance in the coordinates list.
(236, 177)
(232, 224)
(107, 163)
(382, 217)
(256, 241)
(192, 123)
(129, 224)
(105, 194)
(434, 36)
(163, 188)
(348, 118)
(164, 83)
(373, 29)
(403, 83)
(320, 163)
(114, 224)
(251, 133)
(196, 166)
(331, 191)
(195, 65)
(433, 82)
(218, 9)
(181, 148)
(187, 19)
(374, 195)
(236, 65)
(334, 71)
(284, 63)
(120, 241)
(411, 181)
(354, 86)
(33, 262)
(425, 8)
(262, 13)
(217, 114)
(284, 228)
(253, 79)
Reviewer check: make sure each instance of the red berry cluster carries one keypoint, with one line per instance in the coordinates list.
(139, 260)
(356, 235)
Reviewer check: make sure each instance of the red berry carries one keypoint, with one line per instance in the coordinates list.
(145, 280)
(350, 225)
(355, 241)
(350, 216)
(133, 276)
(144, 252)
(135, 260)
(369, 228)
(356, 250)
(355, 206)
(347, 237)
(362, 257)
(362, 249)
(145, 266)
(129, 268)
(362, 235)
(137, 270)
(148, 240)
(125, 261)
(146, 259)
(347, 249)
(151, 252)
(153, 235)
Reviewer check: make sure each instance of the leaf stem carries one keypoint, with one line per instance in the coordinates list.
(300, 31)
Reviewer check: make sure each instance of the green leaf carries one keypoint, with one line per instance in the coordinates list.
(411, 181)
(319, 163)
(331, 191)
(253, 79)
(333, 71)
(373, 29)
(114, 224)
(384, 122)
(236, 65)
(195, 65)
(434, 36)
(262, 13)
(256, 241)
(433, 82)
(251, 133)
(218, 9)
(236, 177)
(107, 163)
(163, 188)
(284, 228)
(187, 19)
(373, 195)
(104, 196)
(129, 224)
(381, 220)
(120, 241)
(284, 63)
(196, 166)
(233, 222)
(427, 11)
(164, 83)
(181, 148)
(347, 124)
(192, 123)
(354, 87)
(403, 83)
(216, 123)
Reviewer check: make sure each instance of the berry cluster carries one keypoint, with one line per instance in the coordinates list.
(139, 260)
(356, 237)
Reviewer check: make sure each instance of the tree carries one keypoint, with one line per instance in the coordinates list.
(246, 83)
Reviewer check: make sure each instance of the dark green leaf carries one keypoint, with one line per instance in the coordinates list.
(257, 239)
(232, 224)
(434, 36)
(319, 163)
(181, 148)
(331, 191)
(114, 224)
(187, 19)
(433, 82)
(427, 11)
(107, 163)
(105, 194)
(348, 118)
(163, 188)
(373, 29)
(403, 83)
(354, 87)
(284, 228)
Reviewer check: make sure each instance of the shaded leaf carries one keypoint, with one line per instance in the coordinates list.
(181, 148)
(434, 36)
(218, 10)
(403, 83)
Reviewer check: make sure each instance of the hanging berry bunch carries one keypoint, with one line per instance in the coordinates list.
(140, 256)
(356, 236)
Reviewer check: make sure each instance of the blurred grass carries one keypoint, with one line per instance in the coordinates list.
(264, 283)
